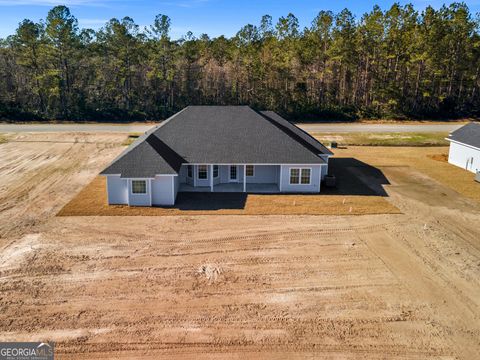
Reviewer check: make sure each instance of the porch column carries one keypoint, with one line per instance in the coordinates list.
(194, 168)
(211, 178)
(244, 178)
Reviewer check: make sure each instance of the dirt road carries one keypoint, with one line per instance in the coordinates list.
(313, 128)
(379, 286)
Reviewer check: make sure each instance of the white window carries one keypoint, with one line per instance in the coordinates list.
(294, 176)
(215, 171)
(139, 186)
(250, 170)
(189, 171)
(305, 177)
(202, 172)
(300, 176)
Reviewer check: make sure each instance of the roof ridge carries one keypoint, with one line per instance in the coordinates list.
(292, 134)
(166, 121)
(299, 128)
(144, 137)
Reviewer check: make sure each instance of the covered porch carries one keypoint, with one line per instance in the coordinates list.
(233, 187)
(229, 178)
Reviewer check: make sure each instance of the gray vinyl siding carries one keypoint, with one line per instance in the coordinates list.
(314, 179)
(163, 190)
(263, 174)
(324, 170)
(117, 190)
(202, 182)
(176, 185)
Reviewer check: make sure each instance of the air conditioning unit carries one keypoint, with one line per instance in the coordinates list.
(477, 177)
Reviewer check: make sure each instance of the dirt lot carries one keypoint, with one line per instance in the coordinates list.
(396, 286)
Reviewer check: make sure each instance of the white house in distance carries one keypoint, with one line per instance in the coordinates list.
(465, 147)
(217, 149)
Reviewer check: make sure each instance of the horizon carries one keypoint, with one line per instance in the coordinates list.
(211, 17)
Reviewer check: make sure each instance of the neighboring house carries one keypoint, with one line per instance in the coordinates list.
(217, 149)
(465, 147)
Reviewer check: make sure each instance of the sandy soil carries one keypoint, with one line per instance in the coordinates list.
(39, 172)
(403, 286)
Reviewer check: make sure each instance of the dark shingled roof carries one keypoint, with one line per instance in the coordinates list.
(217, 135)
(468, 134)
(298, 133)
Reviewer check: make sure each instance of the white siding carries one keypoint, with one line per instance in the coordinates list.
(117, 190)
(314, 185)
(464, 156)
(139, 199)
(163, 190)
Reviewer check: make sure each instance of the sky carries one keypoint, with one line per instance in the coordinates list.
(213, 17)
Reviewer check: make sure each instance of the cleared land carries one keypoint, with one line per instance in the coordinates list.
(396, 286)
(385, 139)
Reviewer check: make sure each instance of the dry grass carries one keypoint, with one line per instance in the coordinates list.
(352, 197)
(92, 201)
(385, 139)
(439, 157)
(423, 159)
(131, 138)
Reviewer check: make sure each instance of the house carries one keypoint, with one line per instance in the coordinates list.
(217, 149)
(465, 147)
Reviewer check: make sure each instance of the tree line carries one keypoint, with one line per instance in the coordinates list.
(395, 63)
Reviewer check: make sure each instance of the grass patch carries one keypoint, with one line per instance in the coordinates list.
(384, 139)
(132, 137)
(3, 139)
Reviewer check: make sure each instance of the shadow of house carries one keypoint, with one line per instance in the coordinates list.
(355, 177)
(210, 201)
(166, 152)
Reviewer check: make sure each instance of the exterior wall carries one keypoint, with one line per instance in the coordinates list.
(224, 173)
(314, 179)
(163, 190)
(324, 168)
(216, 180)
(182, 174)
(202, 182)
(176, 185)
(117, 190)
(139, 199)
(324, 171)
(263, 174)
(462, 155)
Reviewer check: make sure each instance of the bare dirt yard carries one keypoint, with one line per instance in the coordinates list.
(385, 286)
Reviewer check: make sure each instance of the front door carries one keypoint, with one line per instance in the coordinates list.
(233, 173)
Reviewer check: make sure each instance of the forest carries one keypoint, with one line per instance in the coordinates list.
(396, 63)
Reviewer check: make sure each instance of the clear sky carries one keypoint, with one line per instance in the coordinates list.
(214, 17)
